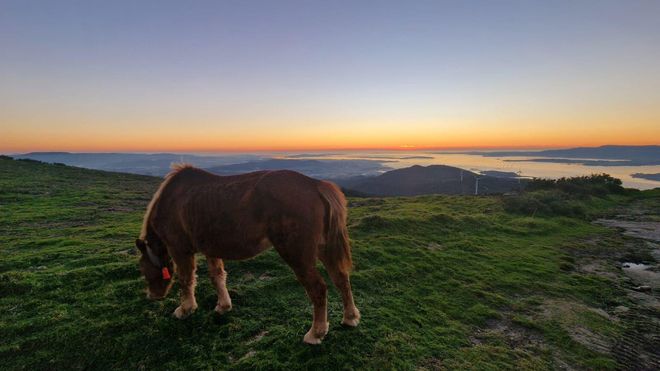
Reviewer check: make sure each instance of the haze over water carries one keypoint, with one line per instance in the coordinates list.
(400, 159)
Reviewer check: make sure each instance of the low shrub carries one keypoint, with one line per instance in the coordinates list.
(545, 202)
(564, 196)
(598, 185)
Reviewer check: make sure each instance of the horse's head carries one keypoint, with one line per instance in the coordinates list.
(156, 266)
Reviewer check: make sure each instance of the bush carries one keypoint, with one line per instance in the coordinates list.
(564, 196)
(545, 202)
(598, 185)
(29, 160)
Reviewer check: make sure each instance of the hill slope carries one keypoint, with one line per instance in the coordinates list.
(442, 282)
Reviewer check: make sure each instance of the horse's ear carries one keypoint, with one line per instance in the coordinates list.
(141, 245)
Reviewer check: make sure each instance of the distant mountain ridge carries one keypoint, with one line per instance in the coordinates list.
(593, 156)
(324, 169)
(136, 163)
(158, 164)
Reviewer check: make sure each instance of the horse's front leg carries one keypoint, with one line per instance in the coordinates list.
(186, 272)
(218, 277)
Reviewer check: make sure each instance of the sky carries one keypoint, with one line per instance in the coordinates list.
(253, 75)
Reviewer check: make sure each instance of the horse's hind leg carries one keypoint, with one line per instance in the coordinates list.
(339, 276)
(303, 263)
(219, 278)
(186, 271)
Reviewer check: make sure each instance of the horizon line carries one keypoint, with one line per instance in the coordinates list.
(268, 150)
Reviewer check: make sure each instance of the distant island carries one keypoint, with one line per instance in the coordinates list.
(500, 174)
(579, 162)
(417, 158)
(655, 177)
(609, 155)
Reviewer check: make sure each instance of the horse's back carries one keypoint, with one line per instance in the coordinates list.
(232, 216)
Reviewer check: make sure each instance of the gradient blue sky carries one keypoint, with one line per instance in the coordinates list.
(243, 75)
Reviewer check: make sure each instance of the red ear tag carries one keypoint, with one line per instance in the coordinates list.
(166, 273)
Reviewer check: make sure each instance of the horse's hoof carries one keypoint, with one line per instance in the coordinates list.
(182, 313)
(222, 309)
(353, 322)
(315, 335)
(310, 338)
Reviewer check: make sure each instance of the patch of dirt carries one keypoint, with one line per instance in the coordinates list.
(596, 266)
(512, 334)
(639, 346)
(633, 259)
(247, 355)
(257, 337)
(567, 312)
(628, 258)
(638, 229)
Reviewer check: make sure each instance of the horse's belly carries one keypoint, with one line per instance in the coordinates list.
(235, 250)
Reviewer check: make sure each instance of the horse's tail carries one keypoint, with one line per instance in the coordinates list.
(337, 248)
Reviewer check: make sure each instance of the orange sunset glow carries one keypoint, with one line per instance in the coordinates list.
(193, 137)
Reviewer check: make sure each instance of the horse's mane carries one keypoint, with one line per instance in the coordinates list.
(175, 167)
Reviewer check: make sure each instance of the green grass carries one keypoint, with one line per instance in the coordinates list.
(431, 273)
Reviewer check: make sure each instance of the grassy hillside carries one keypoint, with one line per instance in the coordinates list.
(443, 282)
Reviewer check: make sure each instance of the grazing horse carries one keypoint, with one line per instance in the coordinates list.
(237, 217)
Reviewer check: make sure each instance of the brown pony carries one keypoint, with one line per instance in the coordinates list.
(238, 217)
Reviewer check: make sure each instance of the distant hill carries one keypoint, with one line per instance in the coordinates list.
(434, 179)
(594, 156)
(322, 169)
